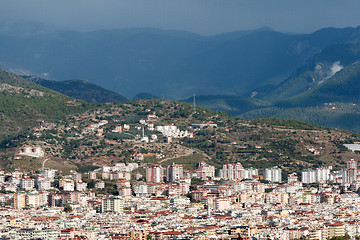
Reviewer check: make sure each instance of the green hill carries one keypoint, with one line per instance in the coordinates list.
(80, 89)
(317, 70)
(342, 87)
(81, 135)
(23, 104)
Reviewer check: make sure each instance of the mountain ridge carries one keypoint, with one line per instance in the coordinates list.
(172, 64)
(80, 89)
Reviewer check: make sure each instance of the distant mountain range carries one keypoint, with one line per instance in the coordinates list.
(262, 73)
(172, 64)
(325, 90)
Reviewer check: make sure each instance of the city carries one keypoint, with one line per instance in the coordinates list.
(170, 203)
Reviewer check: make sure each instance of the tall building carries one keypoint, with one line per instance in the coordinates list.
(19, 201)
(319, 175)
(232, 172)
(308, 176)
(174, 172)
(249, 173)
(272, 174)
(112, 204)
(205, 170)
(33, 200)
(322, 174)
(351, 164)
(154, 174)
(349, 174)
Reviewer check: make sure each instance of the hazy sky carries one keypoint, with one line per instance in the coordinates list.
(200, 16)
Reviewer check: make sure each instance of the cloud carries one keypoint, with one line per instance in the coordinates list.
(201, 16)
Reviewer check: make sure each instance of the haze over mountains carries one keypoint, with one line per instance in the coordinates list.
(172, 64)
(259, 73)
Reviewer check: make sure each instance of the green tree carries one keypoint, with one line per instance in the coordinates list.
(68, 208)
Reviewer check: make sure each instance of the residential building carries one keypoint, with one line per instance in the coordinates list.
(232, 172)
(272, 174)
(205, 171)
(174, 172)
(112, 204)
(154, 174)
(27, 183)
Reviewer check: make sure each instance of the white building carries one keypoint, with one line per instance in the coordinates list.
(68, 185)
(99, 185)
(221, 203)
(180, 200)
(43, 185)
(205, 171)
(308, 176)
(174, 172)
(81, 186)
(141, 189)
(154, 174)
(322, 174)
(232, 172)
(125, 191)
(2, 178)
(27, 183)
(112, 204)
(272, 174)
(36, 152)
(49, 174)
(172, 131)
(77, 177)
(249, 173)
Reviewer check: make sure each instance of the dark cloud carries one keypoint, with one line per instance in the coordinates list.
(200, 16)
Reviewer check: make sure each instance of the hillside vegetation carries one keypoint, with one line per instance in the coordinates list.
(24, 104)
(324, 91)
(80, 89)
(255, 143)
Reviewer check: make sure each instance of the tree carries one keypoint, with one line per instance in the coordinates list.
(68, 208)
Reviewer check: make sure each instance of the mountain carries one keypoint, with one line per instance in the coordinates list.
(172, 64)
(317, 70)
(145, 96)
(227, 103)
(80, 89)
(343, 87)
(324, 91)
(24, 104)
(258, 143)
(80, 135)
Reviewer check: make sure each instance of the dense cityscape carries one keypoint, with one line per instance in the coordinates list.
(171, 203)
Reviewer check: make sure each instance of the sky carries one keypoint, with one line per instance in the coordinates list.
(206, 17)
